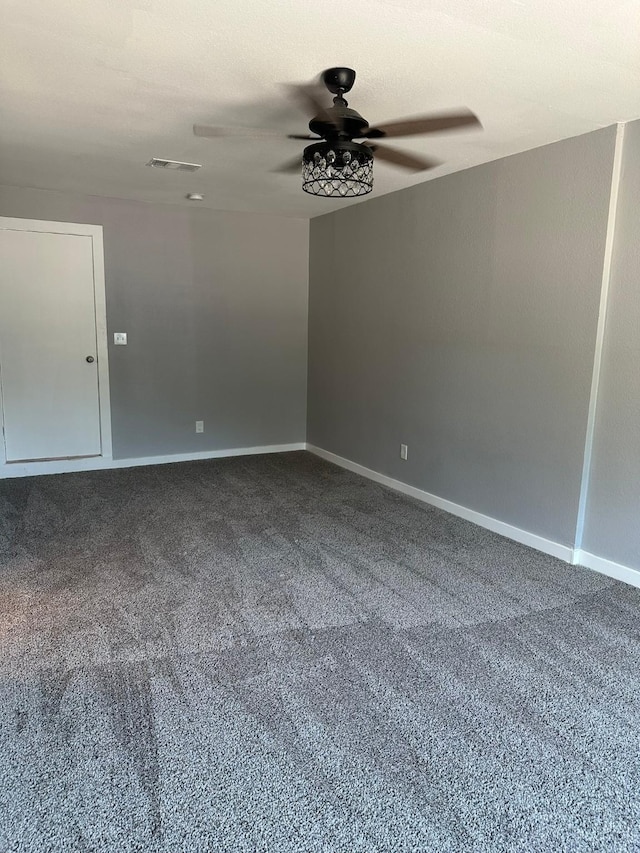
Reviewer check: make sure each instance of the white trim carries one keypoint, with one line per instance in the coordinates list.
(11, 223)
(8, 223)
(563, 552)
(607, 567)
(102, 341)
(97, 463)
(599, 343)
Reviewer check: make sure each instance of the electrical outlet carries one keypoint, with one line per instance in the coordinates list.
(120, 339)
(199, 426)
(404, 450)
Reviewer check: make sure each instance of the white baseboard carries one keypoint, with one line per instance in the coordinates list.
(563, 552)
(99, 463)
(607, 567)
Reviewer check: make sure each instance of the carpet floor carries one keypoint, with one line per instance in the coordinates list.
(273, 654)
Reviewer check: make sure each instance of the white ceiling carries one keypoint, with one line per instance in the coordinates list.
(91, 89)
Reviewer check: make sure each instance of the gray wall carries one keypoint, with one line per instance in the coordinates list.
(215, 307)
(459, 317)
(612, 527)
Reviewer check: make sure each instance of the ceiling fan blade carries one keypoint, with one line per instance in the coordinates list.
(252, 132)
(311, 99)
(290, 167)
(423, 124)
(413, 162)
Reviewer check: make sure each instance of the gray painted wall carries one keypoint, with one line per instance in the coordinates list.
(459, 317)
(612, 528)
(215, 307)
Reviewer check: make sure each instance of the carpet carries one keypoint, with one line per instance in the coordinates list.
(273, 654)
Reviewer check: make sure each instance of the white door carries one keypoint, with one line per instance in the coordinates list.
(48, 352)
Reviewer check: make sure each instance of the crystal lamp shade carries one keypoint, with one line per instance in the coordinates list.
(337, 170)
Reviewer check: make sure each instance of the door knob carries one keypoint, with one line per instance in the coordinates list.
(90, 359)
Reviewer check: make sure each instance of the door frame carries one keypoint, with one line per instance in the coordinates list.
(10, 469)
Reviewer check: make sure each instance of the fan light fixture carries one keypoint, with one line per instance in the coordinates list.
(337, 170)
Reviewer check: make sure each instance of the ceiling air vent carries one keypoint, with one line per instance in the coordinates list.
(157, 163)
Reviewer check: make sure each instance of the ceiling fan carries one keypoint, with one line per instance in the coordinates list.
(334, 164)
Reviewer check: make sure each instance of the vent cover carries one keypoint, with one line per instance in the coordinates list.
(158, 163)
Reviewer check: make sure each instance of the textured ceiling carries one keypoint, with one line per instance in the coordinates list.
(91, 89)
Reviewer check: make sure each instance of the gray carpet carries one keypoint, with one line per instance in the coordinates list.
(273, 654)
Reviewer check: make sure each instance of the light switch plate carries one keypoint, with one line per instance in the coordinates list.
(120, 339)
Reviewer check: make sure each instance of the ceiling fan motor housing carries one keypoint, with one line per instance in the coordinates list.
(346, 123)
